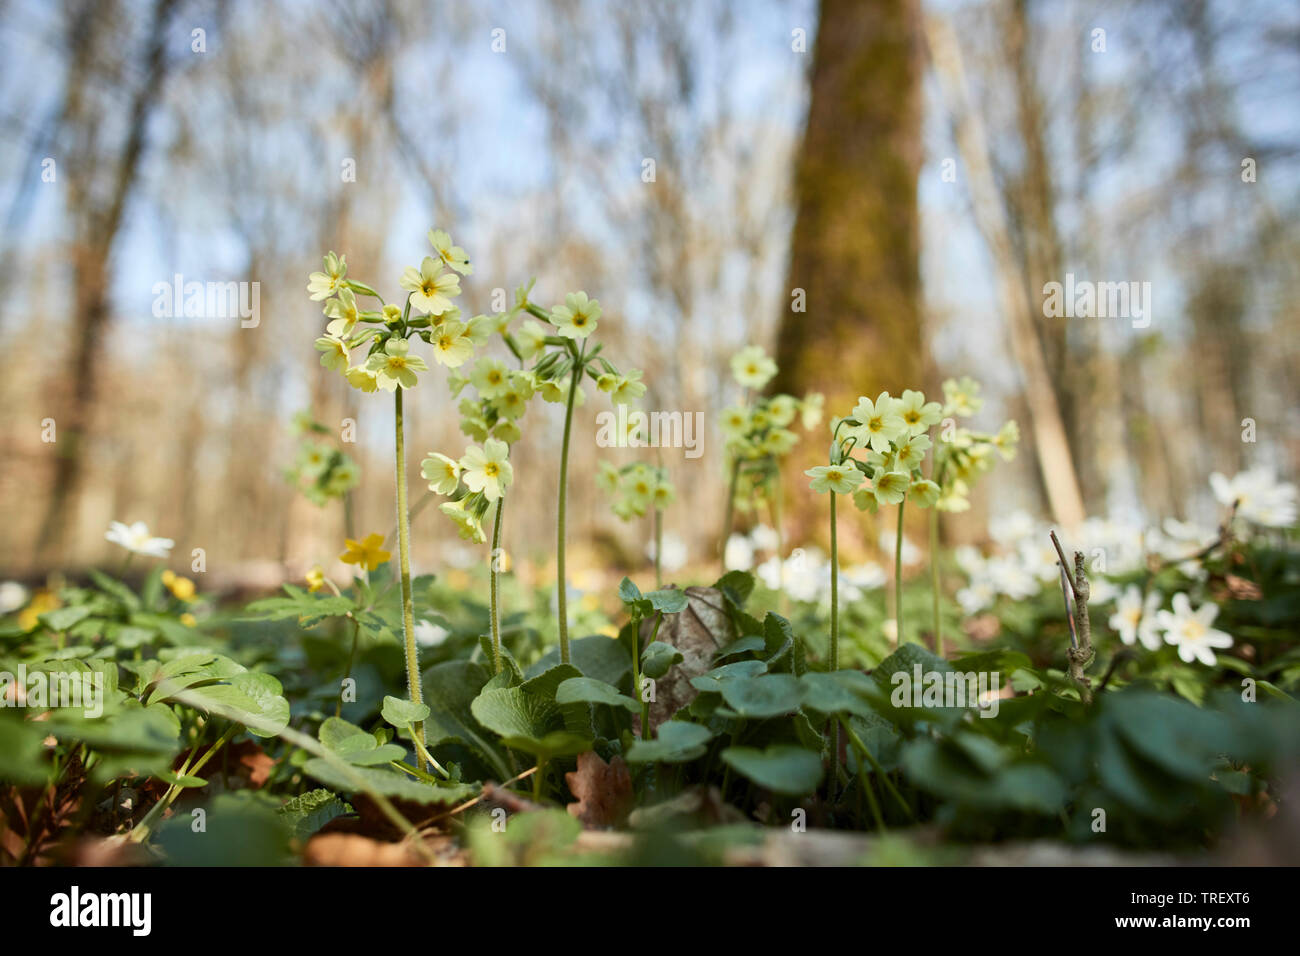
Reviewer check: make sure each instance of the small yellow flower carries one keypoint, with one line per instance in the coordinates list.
(368, 553)
(344, 314)
(335, 352)
(188, 619)
(41, 602)
(841, 479)
(431, 289)
(576, 319)
(628, 388)
(442, 473)
(451, 255)
(315, 579)
(322, 285)
(395, 366)
(362, 378)
(183, 588)
(752, 367)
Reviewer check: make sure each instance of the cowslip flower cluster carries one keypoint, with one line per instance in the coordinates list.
(963, 454)
(636, 489)
(320, 471)
(759, 433)
(474, 482)
(878, 451)
(387, 331)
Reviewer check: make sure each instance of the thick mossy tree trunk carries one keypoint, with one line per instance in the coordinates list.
(855, 248)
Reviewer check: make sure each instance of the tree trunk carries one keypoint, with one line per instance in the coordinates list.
(855, 246)
(97, 225)
(854, 252)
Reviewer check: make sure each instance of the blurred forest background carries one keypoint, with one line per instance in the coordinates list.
(920, 170)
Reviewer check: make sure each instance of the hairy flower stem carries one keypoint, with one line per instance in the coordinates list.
(727, 512)
(834, 663)
(404, 560)
(898, 575)
(659, 547)
(494, 588)
(352, 658)
(562, 597)
(142, 830)
(636, 673)
(777, 495)
(934, 579)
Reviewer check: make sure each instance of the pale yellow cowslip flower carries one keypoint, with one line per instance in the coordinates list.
(487, 469)
(442, 473)
(841, 479)
(431, 288)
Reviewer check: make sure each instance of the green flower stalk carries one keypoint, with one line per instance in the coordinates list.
(561, 509)
(563, 359)
(387, 332)
(639, 489)
(759, 434)
(898, 574)
(413, 690)
(494, 589)
(834, 656)
(934, 580)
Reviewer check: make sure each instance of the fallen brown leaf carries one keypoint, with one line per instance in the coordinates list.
(350, 849)
(604, 790)
(699, 632)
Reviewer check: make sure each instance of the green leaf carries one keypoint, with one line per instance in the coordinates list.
(896, 692)
(628, 592)
(743, 645)
(588, 690)
(766, 695)
(668, 600)
(548, 682)
(596, 655)
(511, 712)
(975, 774)
(781, 768)
(402, 713)
(252, 698)
(355, 745)
(116, 588)
(310, 608)
(527, 717)
(676, 742)
(183, 781)
(778, 641)
(310, 811)
(388, 783)
(63, 618)
(21, 751)
(838, 692)
(449, 690)
(714, 679)
(737, 586)
(558, 743)
(190, 667)
(658, 658)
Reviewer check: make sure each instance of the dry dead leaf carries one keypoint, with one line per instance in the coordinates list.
(604, 790)
(1242, 589)
(351, 849)
(698, 632)
(983, 627)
